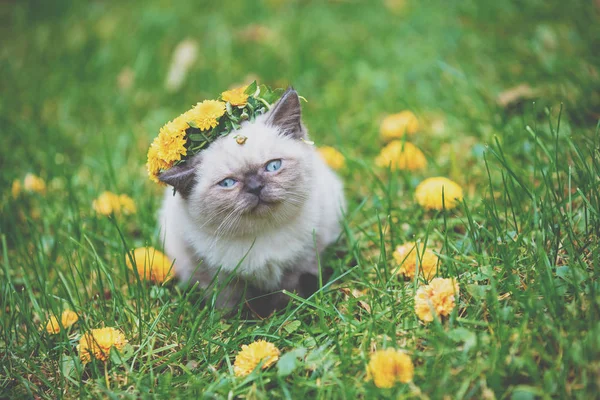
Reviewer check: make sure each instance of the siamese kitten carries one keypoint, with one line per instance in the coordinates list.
(253, 216)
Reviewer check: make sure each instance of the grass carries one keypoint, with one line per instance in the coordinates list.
(83, 96)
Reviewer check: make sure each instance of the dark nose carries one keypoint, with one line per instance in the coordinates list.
(254, 185)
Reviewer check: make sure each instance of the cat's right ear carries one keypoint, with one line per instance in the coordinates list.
(182, 177)
(286, 115)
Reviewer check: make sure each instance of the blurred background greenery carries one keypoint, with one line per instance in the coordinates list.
(81, 79)
(86, 85)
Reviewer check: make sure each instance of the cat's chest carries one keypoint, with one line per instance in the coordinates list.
(263, 257)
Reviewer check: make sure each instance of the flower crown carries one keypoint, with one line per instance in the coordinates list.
(194, 130)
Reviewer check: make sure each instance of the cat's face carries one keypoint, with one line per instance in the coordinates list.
(264, 181)
(238, 189)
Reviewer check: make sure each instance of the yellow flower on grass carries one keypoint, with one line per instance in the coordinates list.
(52, 327)
(15, 190)
(397, 125)
(97, 343)
(251, 355)
(34, 183)
(127, 204)
(67, 319)
(389, 366)
(236, 97)
(206, 114)
(152, 265)
(401, 155)
(110, 203)
(332, 157)
(438, 297)
(429, 193)
(408, 256)
(106, 203)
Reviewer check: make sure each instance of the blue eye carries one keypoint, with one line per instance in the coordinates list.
(273, 165)
(227, 182)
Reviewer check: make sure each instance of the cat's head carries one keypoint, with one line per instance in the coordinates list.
(241, 188)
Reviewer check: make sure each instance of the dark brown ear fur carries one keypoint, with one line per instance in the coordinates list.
(182, 177)
(286, 114)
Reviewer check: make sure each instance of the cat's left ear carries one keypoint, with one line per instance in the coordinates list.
(182, 177)
(286, 115)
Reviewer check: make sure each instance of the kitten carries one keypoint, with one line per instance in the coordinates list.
(252, 213)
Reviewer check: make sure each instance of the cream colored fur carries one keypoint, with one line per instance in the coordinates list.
(264, 244)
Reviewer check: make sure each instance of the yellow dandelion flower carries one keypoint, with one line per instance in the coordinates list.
(52, 327)
(236, 97)
(251, 355)
(155, 164)
(429, 193)
(206, 114)
(332, 157)
(389, 366)
(15, 190)
(110, 203)
(106, 204)
(67, 319)
(397, 125)
(171, 148)
(401, 155)
(438, 296)
(152, 265)
(408, 256)
(33, 183)
(168, 147)
(97, 343)
(178, 125)
(127, 204)
(171, 140)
